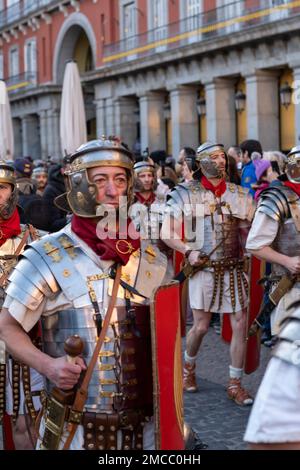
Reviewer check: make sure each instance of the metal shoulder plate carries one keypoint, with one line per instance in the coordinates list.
(31, 281)
(58, 253)
(274, 202)
(179, 195)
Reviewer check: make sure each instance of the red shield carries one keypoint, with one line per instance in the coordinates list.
(8, 442)
(167, 367)
(256, 292)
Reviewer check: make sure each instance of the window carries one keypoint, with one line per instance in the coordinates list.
(30, 64)
(129, 26)
(129, 20)
(229, 11)
(278, 13)
(13, 10)
(191, 11)
(158, 20)
(13, 61)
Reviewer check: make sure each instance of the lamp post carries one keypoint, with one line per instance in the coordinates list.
(285, 93)
(201, 106)
(167, 111)
(240, 101)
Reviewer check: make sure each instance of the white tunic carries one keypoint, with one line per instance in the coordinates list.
(275, 415)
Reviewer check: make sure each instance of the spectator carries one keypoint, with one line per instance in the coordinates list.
(26, 188)
(248, 172)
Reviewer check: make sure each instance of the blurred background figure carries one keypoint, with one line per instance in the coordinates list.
(236, 153)
(40, 178)
(277, 159)
(233, 172)
(165, 165)
(186, 164)
(26, 188)
(248, 177)
(42, 211)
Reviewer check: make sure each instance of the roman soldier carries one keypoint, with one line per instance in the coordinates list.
(216, 217)
(19, 386)
(275, 237)
(89, 285)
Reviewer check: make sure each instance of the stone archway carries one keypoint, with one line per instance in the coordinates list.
(76, 39)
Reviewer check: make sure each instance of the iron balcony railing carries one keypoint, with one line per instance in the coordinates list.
(21, 9)
(228, 19)
(22, 81)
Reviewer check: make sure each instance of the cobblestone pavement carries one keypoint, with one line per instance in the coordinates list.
(218, 421)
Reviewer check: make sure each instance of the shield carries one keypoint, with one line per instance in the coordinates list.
(8, 442)
(167, 367)
(72, 114)
(256, 293)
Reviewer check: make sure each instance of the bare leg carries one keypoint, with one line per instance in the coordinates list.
(237, 353)
(20, 434)
(238, 341)
(193, 342)
(197, 332)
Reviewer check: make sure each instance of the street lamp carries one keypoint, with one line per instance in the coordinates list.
(136, 114)
(286, 94)
(201, 106)
(240, 101)
(167, 111)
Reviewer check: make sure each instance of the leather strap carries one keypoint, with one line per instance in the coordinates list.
(82, 392)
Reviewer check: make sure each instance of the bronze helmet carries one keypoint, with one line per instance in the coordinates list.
(81, 193)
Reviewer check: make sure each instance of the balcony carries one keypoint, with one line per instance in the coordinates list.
(20, 10)
(226, 20)
(24, 81)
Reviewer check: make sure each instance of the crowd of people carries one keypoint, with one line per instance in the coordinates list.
(211, 206)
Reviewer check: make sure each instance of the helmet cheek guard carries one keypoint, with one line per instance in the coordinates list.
(208, 167)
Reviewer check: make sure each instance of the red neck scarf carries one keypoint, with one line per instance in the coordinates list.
(218, 190)
(142, 200)
(118, 249)
(294, 186)
(10, 228)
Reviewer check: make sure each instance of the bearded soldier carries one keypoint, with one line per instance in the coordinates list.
(17, 382)
(275, 237)
(89, 284)
(218, 214)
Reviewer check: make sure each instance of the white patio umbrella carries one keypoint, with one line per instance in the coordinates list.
(72, 113)
(6, 127)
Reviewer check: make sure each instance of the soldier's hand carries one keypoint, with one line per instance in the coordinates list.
(63, 374)
(293, 264)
